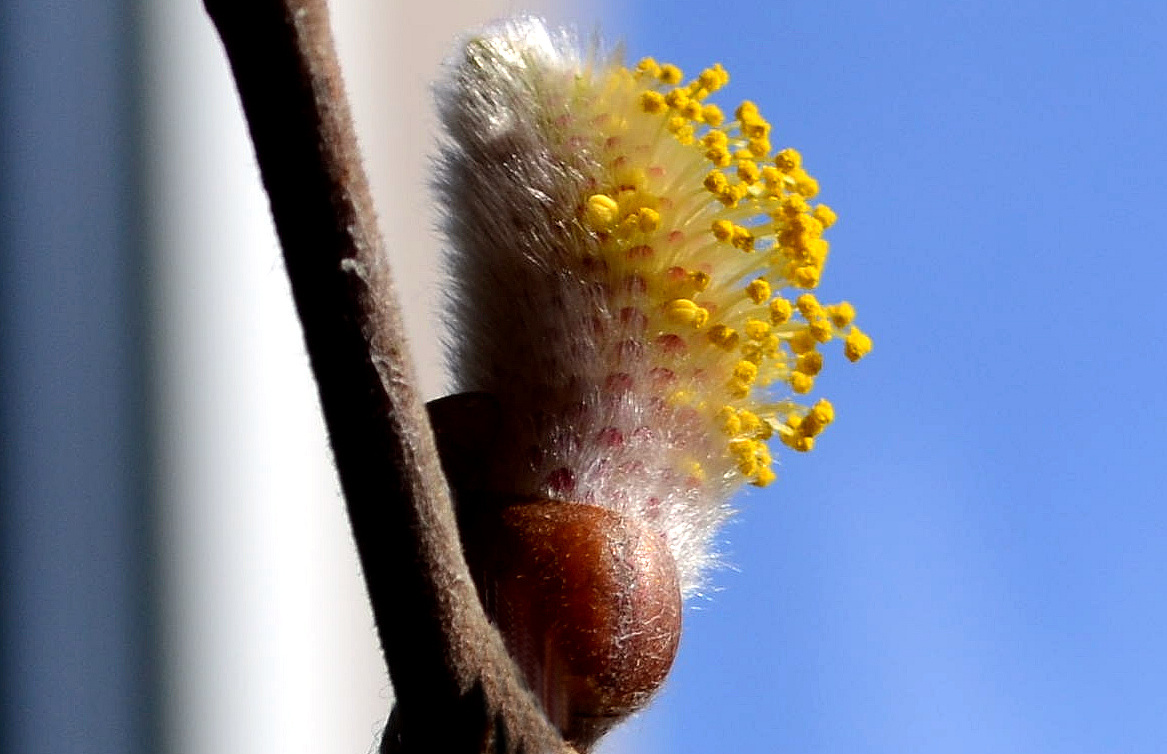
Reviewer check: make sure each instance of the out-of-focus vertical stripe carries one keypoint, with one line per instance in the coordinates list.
(74, 556)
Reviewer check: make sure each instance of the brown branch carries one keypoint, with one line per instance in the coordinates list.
(457, 690)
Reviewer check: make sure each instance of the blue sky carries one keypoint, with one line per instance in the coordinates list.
(974, 559)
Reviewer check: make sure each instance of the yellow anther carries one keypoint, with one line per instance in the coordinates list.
(719, 156)
(692, 110)
(683, 311)
(670, 74)
(856, 345)
(802, 342)
(750, 423)
(648, 67)
(716, 182)
(746, 110)
(729, 422)
(745, 371)
(722, 229)
(772, 177)
(653, 103)
(825, 215)
(753, 352)
(600, 211)
(804, 183)
(758, 291)
(805, 276)
(817, 419)
(746, 454)
(712, 115)
(723, 337)
(816, 252)
(748, 171)
(821, 329)
(742, 238)
(823, 411)
(788, 160)
(810, 363)
(759, 148)
(710, 79)
(731, 195)
(801, 443)
(801, 383)
(755, 127)
(764, 477)
(715, 138)
(809, 306)
(677, 99)
(756, 329)
(780, 311)
(648, 220)
(699, 280)
(841, 314)
(794, 205)
(765, 431)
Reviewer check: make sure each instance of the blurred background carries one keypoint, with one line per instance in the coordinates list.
(973, 559)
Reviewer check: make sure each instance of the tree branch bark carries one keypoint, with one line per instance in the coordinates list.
(456, 688)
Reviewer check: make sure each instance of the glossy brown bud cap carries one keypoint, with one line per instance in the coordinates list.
(588, 603)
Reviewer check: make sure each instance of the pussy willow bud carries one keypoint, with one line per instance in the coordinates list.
(631, 272)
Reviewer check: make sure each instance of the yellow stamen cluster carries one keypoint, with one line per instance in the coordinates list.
(710, 236)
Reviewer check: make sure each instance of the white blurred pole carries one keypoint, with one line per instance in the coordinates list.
(268, 640)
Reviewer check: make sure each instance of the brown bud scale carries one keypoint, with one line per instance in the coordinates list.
(588, 603)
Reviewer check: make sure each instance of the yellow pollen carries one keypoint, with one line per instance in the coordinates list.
(801, 382)
(748, 172)
(677, 99)
(802, 342)
(841, 314)
(683, 311)
(856, 345)
(731, 425)
(821, 329)
(722, 230)
(648, 67)
(600, 212)
(780, 311)
(653, 103)
(764, 478)
(823, 411)
(825, 215)
(724, 337)
(670, 74)
(788, 160)
(742, 238)
(750, 422)
(663, 211)
(756, 329)
(745, 371)
(810, 363)
(712, 115)
(758, 291)
(649, 220)
(716, 182)
(809, 306)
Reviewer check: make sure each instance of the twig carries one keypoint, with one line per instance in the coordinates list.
(456, 688)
